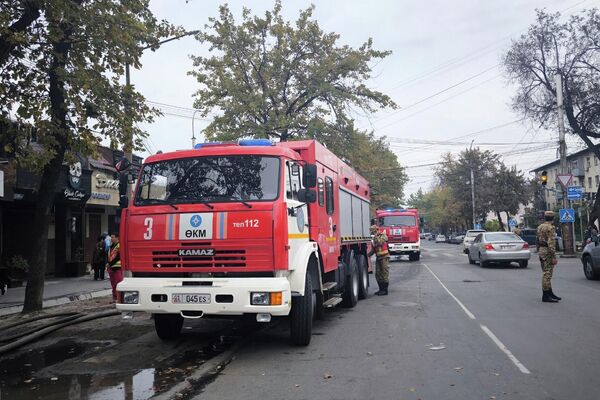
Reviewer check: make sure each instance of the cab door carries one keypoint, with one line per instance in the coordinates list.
(329, 220)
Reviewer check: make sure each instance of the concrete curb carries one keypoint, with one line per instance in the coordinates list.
(213, 367)
(57, 301)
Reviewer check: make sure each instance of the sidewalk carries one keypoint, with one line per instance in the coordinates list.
(56, 291)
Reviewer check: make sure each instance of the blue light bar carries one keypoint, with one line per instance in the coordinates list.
(255, 142)
(206, 144)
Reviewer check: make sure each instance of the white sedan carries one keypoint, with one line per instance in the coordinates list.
(499, 247)
(440, 239)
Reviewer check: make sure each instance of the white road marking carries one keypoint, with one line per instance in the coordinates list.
(465, 309)
(505, 350)
(448, 255)
(488, 332)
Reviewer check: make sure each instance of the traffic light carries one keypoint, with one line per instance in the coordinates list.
(544, 178)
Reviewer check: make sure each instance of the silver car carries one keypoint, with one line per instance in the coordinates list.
(499, 247)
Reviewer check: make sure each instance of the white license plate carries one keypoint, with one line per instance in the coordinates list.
(506, 247)
(397, 232)
(183, 298)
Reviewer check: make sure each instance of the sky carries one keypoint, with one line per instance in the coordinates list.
(444, 72)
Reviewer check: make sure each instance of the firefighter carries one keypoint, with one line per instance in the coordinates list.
(382, 265)
(114, 264)
(546, 246)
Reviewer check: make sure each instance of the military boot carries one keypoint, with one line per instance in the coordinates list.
(380, 284)
(384, 289)
(553, 295)
(546, 298)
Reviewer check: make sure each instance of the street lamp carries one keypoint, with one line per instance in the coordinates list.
(128, 145)
(472, 181)
(193, 133)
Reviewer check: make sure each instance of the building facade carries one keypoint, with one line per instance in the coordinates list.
(585, 168)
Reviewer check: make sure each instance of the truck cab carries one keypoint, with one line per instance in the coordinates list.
(401, 226)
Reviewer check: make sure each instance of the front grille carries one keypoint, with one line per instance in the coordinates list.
(222, 259)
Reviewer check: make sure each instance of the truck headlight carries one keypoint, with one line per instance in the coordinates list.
(132, 297)
(266, 298)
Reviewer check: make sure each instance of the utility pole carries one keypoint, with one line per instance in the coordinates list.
(472, 183)
(567, 228)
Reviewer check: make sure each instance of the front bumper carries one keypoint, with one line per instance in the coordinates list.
(518, 255)
(404, 248)
(235, 290)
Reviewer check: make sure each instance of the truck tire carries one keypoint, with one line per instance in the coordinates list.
(588, 269)
(414, 257)
(363, 275)
(301, 315)
(350, 295)
(168, 326)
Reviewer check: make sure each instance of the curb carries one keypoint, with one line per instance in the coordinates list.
(202, 374)
(57, 301)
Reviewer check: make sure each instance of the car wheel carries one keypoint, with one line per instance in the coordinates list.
(588, 269)
(482, 264)
(471, 261)
(523, 263)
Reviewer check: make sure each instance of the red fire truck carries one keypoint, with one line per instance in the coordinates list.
(245, 229)
(402, 229)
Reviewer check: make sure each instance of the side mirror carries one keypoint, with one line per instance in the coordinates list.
(123, 202)
(307, 195)
(373, 221)
(122, 165)
(309, 176)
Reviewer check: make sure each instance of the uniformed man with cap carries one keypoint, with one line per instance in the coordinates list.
(546, 245)
(382, 263)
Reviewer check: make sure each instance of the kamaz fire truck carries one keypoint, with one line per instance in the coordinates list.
(402, 228)
(250, 228)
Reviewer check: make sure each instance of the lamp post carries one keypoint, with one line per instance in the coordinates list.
(193, 132)
(128, 145)
(472, 181)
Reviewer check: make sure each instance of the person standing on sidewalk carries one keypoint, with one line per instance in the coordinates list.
(382, 263)
(115, 272)
(99, 259)
(546, 246)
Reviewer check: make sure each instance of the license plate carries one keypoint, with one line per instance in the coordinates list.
(506, 247)
(182, 298)
(397, 232)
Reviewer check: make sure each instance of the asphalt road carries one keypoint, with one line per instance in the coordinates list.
(447, 330)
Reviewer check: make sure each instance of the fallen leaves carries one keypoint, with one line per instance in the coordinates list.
(327, 376)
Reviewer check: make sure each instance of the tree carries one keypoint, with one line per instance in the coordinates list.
(571, 49)
(455, 173)
(511, 191)
(268, 78)
(59, 73)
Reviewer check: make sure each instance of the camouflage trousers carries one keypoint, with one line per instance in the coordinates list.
(382, 270)
(547, 270)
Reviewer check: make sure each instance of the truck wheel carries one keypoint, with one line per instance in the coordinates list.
(588, 269)
(414, 257)
(363, 274)
(350, 295)
(301, 315)
(168, 326)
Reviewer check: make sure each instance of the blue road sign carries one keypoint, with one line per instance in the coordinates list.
(512, 222)
(566, 215)
(478, 226)
(574, 192)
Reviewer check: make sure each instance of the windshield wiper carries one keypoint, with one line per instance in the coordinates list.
(159, 201)
(245, 203)
(206, 203)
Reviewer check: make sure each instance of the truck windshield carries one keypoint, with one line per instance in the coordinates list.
(209, 179)
(397, 220)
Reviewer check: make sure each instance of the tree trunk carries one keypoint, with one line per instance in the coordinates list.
(34, 292)
(507, 220)
(500, 221)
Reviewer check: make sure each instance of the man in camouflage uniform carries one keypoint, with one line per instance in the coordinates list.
(382, 264)
(518, 230)
(546, 245)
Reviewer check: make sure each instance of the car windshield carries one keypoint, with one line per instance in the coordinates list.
(501, 236)
(398, 220)
(209, 179)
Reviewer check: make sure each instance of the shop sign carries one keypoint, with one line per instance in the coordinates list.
(71, 194)
(75, 175)
(105, 189)
(100, 196)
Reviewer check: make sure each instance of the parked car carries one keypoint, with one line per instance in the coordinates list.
(469, 238)
(431, 237)
(425, 235)
(440, 239)
(590, 258)
(530, 236)
(499, 247)
(456, 238)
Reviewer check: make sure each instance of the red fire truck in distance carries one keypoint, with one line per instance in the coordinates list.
(402, 229)
(245, 229)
